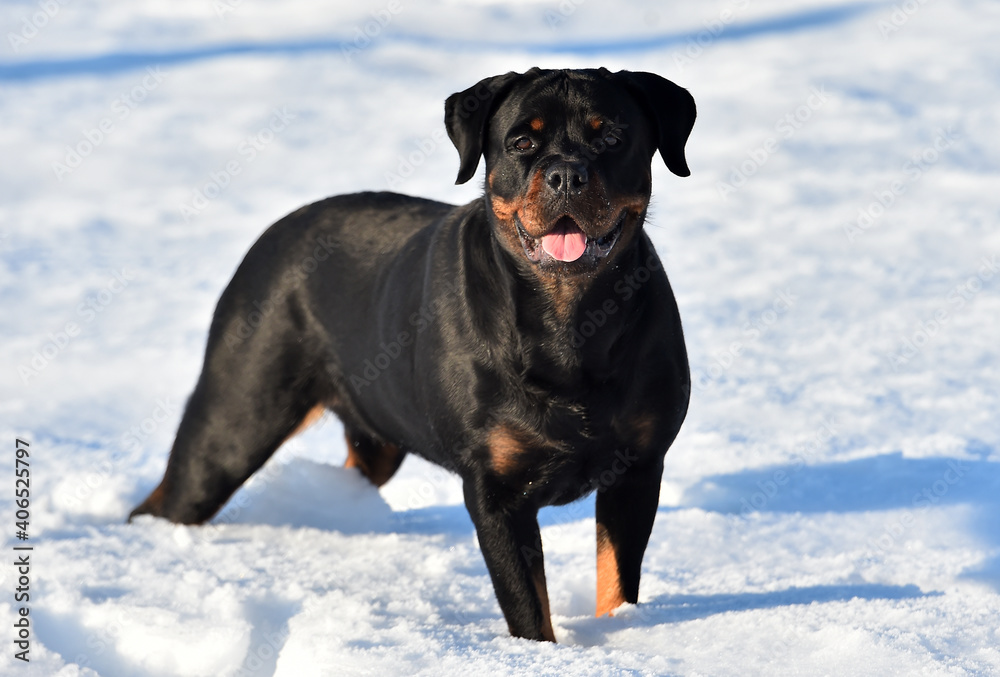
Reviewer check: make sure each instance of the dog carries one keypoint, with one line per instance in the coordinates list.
(529, 341)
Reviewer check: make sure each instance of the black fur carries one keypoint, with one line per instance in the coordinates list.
(447, 332)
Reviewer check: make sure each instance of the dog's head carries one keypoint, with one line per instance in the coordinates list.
(568, 157)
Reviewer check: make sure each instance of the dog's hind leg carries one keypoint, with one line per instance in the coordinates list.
(254, 393)
(224, 437)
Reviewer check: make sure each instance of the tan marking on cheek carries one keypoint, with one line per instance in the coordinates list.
(537, 124)
(635, 205)
(609, 585)
(503, 209)
(531, 212)
(527, 207)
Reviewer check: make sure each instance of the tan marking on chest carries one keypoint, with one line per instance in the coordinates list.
(644, 429)
(507, 449)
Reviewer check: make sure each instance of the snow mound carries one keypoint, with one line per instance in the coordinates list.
(303, 493)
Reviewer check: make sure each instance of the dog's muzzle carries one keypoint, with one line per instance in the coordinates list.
(567, 242)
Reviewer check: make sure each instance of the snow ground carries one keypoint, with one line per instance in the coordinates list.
(831, 506)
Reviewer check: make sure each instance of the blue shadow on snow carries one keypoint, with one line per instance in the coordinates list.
(667, 609)
(681, 608)
(887, 482)
(118, 62)
(884, 482)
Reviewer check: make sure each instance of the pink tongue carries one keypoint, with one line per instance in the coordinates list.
(565, 246)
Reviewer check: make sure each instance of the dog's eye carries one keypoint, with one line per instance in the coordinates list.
(524, 144)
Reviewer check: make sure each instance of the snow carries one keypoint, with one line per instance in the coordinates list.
(831, 505)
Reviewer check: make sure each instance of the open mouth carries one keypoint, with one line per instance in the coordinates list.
(566, 242)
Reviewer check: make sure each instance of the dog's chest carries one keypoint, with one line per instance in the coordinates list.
(570, 448)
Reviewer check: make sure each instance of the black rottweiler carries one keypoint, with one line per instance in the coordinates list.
(529, 341)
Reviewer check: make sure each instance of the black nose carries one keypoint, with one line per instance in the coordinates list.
(568, 177)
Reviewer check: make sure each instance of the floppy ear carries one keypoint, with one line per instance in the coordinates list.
(671, 110)
(466, 115)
